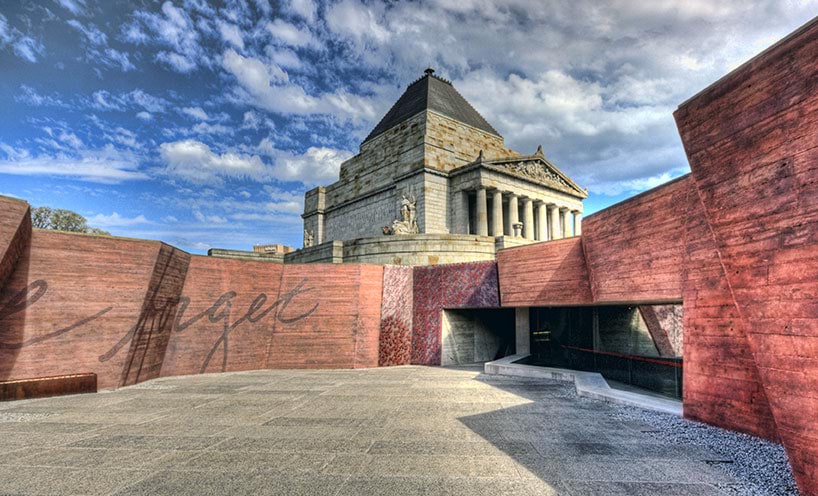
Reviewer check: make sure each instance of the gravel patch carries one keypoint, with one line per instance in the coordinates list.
(760, 465)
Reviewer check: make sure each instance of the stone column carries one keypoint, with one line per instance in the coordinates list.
(497, 213)
(555, 221)
(522, 334)
(542, 222)
(481, 212)
(577, 223)
(513, 212)
(460, 213)
(528, 218)
(564, 222)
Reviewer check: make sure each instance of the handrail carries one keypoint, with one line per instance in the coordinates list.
(630, 357)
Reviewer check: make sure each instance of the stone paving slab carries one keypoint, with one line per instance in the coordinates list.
(394, 431)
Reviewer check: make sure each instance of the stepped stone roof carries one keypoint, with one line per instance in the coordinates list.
(431, 93)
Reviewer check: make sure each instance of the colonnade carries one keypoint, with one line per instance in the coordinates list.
(541, 220)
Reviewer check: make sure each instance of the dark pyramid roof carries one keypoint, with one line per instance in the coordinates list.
(431, 93)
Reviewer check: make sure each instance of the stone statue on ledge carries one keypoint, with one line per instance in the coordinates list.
(308, 238)
(408, 224)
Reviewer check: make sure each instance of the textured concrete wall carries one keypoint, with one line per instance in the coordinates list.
(476, 335)
(395, 341)
(751, 140)
(15, 233)
(151, 334)
(470, 285)
(721, 381)
(131, 310)
(73, 305)
(636, 247)
(544, 274)
(237, 315)
(221, 324)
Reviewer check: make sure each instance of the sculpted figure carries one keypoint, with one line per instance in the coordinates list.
(408, 223)
(308, 238)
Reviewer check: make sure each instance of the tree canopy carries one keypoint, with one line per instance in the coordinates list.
(62, 220)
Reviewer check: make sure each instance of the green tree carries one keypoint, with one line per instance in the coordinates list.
(62, 220)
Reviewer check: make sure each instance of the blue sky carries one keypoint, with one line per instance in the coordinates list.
(203, 123)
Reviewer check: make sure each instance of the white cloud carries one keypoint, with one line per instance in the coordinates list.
(169, 219)
(317, 165)
(264, 6)
(145, 116)
(210, 219)
(147, 101)
(284, 32)
(231, 34)
(30, 96)
(176, 61)
(107, 101)
(303, 8)
(113, 58)
(91, 32)
(358, 22)
(28, 48)
(196, 113)
(174, 30)
(105, 165)
(76, 7)
(116, 220)
(194, 162)
(267, 86)
(207, 128)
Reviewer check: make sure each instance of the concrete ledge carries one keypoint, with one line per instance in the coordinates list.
(43, 387)
(588, 384)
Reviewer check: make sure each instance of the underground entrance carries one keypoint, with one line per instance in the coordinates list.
(630, 345)
(477, 335)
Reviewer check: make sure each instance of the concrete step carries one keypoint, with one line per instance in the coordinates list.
(588, 384)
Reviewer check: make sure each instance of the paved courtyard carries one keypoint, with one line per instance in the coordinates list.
(401, 430)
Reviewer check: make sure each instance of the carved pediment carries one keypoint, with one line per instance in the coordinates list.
(536, 170)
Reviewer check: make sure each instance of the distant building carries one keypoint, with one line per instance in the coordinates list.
(272, 249)
(265, 253)
(434, 166)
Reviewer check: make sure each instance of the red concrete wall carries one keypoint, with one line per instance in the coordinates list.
(395, 341)
(341, 331)
(15, 233)
(752, 143)
(721, 381)
(132, 310)
(468, 285)
(224, 318)
(151, 333)
(635, 247)
(243, 315)
(71, 303)
(544, 274)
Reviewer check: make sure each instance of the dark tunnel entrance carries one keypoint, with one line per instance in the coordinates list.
(477, 335)
(636, 345)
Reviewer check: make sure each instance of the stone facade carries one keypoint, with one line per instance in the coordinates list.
(457, 169)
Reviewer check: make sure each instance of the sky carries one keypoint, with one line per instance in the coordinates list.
(202, 124)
